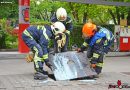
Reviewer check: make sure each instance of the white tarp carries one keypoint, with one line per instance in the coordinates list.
(70, 65)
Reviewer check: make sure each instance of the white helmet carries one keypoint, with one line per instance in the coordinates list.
(57, 28)
(61, 12)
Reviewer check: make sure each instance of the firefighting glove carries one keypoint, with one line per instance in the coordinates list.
(78, 50)
(93, 65)
(29, 57)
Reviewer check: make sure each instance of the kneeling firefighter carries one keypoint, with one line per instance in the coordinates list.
(98, 40)
(37, 39)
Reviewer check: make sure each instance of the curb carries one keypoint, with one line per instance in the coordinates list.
(17, 55)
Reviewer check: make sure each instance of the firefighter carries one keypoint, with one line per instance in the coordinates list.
(37, 39)
(98, 40)
(61, 15)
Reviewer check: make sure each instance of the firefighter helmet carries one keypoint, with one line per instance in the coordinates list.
(89, 29)
(58, 27)
(61, 14)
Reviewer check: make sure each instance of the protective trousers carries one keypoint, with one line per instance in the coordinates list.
(37, 50)
(95, 53)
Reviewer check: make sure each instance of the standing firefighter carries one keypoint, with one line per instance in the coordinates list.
(98, 40)
(61, 15)
(37, 39)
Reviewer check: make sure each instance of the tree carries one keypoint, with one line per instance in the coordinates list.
(9, 10)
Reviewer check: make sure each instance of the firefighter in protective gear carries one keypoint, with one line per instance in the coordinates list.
(61, 15)
(98, 40)
(37, 39)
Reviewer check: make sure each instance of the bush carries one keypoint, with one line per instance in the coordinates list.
(6, 39)
(76, 36)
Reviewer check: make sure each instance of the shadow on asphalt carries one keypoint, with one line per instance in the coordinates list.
(52, 76)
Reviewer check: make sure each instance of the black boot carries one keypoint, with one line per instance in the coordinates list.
(44, 72)
(40, 76)
(40, 73)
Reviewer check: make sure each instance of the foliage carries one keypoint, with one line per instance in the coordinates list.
(6, 39)
(9, 10)
(40, 13)
(79, 13)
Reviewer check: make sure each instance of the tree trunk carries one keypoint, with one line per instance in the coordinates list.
(84, 17)
(118, 15)
(74, 13)
(122, 16)
(40, 14)
(101, 20)
(52, 13)
(113, 16)
(46, 15)
(128, 17)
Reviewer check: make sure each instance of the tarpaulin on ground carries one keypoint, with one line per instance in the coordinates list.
(70, 65)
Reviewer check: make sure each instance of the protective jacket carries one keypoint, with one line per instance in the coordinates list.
(97, 46)
(37, 38)
(102, 33)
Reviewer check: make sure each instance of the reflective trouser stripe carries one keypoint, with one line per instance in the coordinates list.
(96, 55)
(85, 44)
(36, 58)
(106, 42)
(27, 33)
(36, 50)
(45, 56)
(98, 41)
(99, 64)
